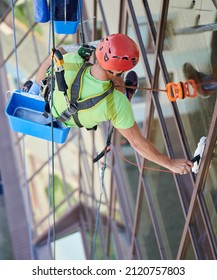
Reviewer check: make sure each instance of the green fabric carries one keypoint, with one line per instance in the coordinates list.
(114, 107)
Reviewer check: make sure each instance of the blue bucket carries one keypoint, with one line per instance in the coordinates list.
(67, 18)
(25, 114)
(66, 27)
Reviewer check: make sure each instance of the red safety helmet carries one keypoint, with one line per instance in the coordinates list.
(117, 52)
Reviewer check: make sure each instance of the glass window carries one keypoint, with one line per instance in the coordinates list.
(146, 236)
(95, 244)
(154, 7)
(130, 169)
(69, 247)
(200, 236)
(6, 250)
(142, 22)
(1, 186)
(209, 195)
(165, 198)
(189, 253)
(191, 56)
(127, 154)
(168, 113)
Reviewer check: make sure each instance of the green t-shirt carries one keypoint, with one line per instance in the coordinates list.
(114, 107)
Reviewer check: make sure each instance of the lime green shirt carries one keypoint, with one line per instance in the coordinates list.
(114, 107)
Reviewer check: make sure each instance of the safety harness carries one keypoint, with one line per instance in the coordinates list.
(75, 104)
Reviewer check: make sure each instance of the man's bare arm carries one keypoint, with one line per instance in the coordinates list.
(146, 149)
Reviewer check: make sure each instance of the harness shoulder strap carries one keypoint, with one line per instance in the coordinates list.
(75, 91)
(76, 85)
(76, 104)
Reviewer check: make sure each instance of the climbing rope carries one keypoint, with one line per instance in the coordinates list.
(15, 43)
(52, 127)
(173, 90)
(103, 167)
(101, 177)
(142, 166)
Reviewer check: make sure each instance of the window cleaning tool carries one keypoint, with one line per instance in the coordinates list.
(198, 154)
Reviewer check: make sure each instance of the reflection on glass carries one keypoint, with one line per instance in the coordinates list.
(189, 253)
(112, 248)
(146, 236)
(191, 55)
(139, 102)
(69, 247)
(6, 251)
(155, 7)
(167, 110)
(131, 171)
(200, 236)
(165, 199)
(210, 195)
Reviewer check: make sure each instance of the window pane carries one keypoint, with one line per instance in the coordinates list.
(210, 195)
(189, 253)
(146, 236)
(191, 55)
(200, 236)
(165, 199)
(69, 247)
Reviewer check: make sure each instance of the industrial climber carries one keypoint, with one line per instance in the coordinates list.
(93, 93)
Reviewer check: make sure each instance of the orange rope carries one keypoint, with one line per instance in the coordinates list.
(142, 88)
(143, 167)
(164, 90)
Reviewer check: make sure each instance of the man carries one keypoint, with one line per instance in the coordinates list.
(115, 54)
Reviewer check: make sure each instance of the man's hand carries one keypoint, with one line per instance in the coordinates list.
(180, 166)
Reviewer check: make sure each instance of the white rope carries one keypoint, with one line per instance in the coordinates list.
(102, 190)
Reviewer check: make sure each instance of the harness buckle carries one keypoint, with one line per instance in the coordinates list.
(73, 109)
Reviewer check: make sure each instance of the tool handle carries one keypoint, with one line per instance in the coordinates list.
(196, 158)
